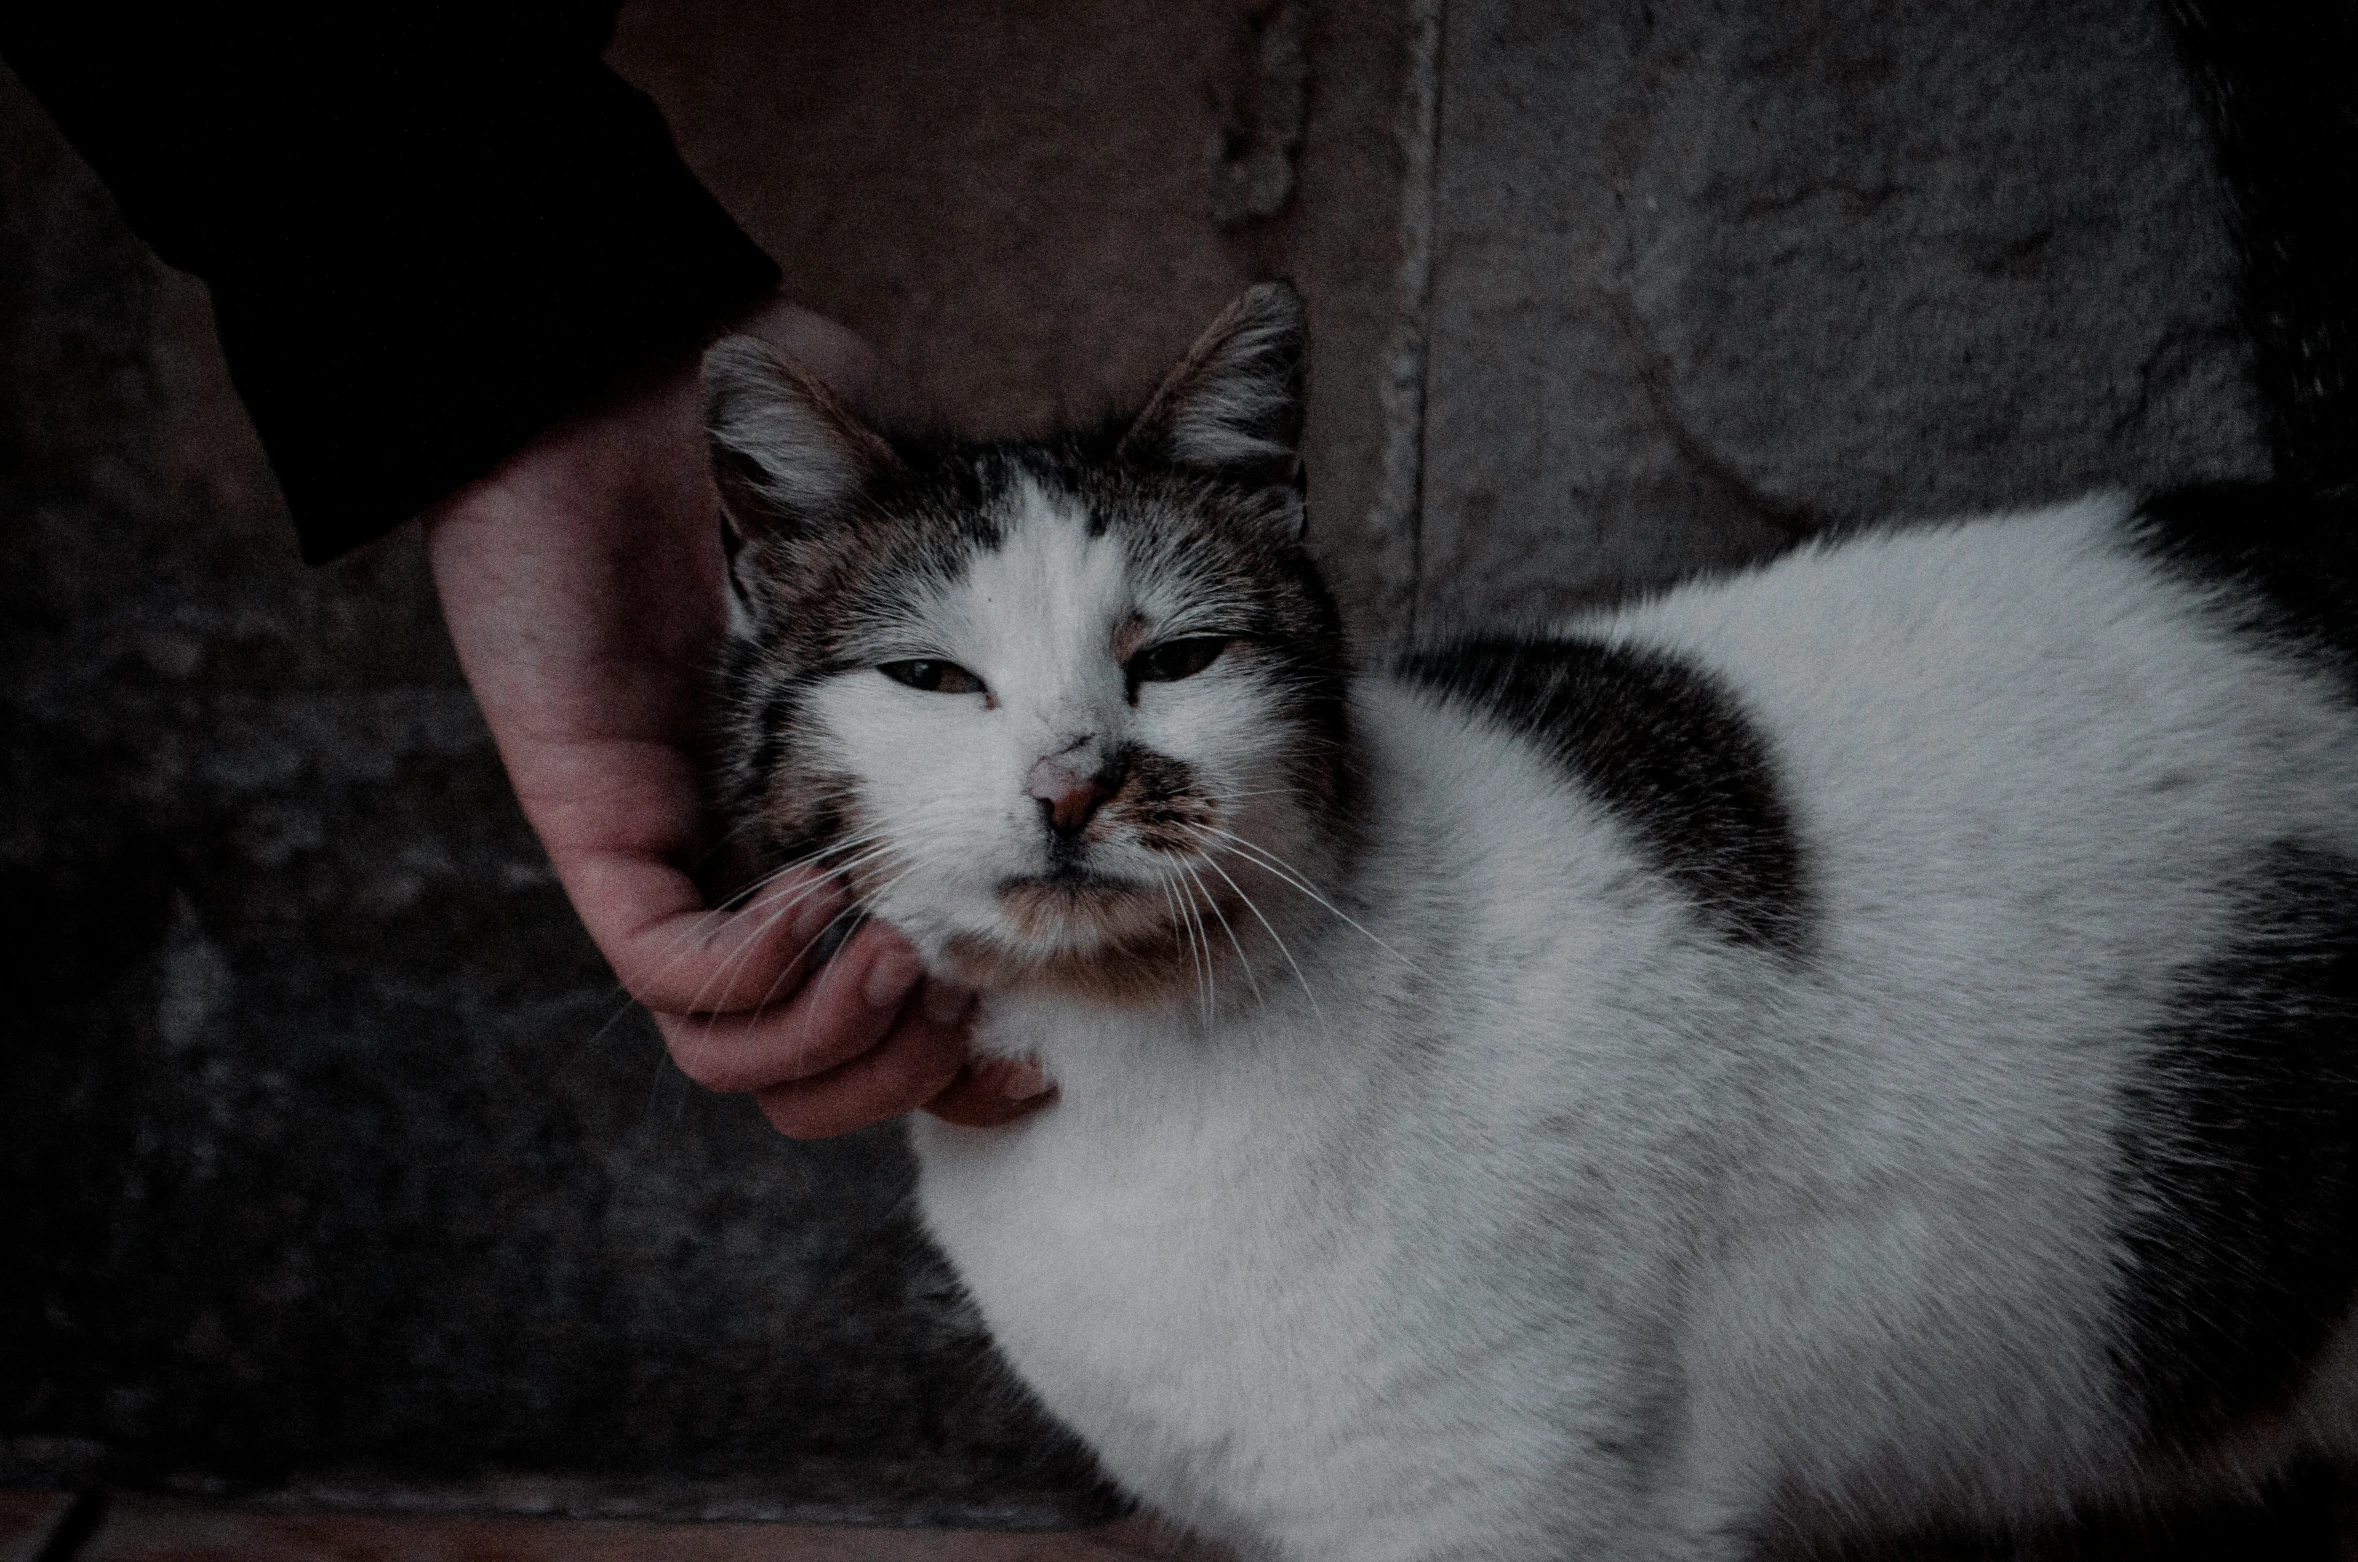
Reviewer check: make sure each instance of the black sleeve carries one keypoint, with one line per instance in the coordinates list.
(429, 230)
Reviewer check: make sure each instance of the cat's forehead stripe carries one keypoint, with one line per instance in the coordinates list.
(1044, 598)
(1047, 552)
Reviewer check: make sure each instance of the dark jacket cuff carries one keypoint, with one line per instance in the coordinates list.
(429, 234)
(384, 379)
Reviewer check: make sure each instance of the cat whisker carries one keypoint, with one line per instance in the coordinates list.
(786, 906)
(808, 860)
(1199, 944)
(1274, 937)
(1291, 876)
(776, 914)
(819, 857)
(1211, 990)
(687, 940)
(1212, 902)
(1186, 929)
(862, 905)
(856, 907)
(624, 1004)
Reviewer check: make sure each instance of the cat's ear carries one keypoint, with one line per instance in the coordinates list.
(787, 454)
(1233, 407)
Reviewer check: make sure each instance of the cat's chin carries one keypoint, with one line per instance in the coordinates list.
(1100, 940)
(1117, 976)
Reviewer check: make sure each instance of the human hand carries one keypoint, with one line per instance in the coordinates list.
(582, 585)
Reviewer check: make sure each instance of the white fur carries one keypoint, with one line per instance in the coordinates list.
(1230, 420)
(1519, 1215)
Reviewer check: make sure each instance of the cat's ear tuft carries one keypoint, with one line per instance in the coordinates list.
(1233, 407)
(787, 454)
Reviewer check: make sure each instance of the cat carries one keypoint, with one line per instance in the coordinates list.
(1855, 1043)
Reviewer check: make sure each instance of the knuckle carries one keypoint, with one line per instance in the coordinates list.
(653, 987)
(697, 1054)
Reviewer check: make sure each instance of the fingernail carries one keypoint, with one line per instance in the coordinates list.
(945, 1002)
(891, 976)
(1024, 1079)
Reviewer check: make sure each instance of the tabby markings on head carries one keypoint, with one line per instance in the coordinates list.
(1059, 708)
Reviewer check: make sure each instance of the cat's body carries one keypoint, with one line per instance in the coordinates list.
(1853, 1043)
(1563, 1214)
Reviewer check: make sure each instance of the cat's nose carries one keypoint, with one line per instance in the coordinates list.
(1070, 786)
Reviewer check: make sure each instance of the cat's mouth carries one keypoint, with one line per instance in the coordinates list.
(1120, 941)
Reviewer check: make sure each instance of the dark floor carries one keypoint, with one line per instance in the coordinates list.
(55, 1527)
(2310, 1524)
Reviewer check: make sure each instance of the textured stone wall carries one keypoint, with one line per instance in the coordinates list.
(1025, 204)
(330, 1160)
(1713, 276)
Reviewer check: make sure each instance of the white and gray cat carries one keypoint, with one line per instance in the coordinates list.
(1858, 1042)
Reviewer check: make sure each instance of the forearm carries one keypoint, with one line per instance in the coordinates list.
(435, 243)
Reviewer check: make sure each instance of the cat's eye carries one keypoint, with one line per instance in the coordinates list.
(1176, 659)
(932, 676)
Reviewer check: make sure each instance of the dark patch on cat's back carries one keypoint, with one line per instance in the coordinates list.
(2288, 557)
(2239, 1163)
(1664, 746)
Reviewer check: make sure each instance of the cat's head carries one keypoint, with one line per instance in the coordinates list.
(1056, 708)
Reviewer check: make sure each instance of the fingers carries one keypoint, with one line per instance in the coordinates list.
(679, 958)
(846, 1008)
(866, 1038)
(914, 1063)
(869, 1038)
(992, 1092)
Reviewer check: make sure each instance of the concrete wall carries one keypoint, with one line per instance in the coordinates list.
(330, 1161)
